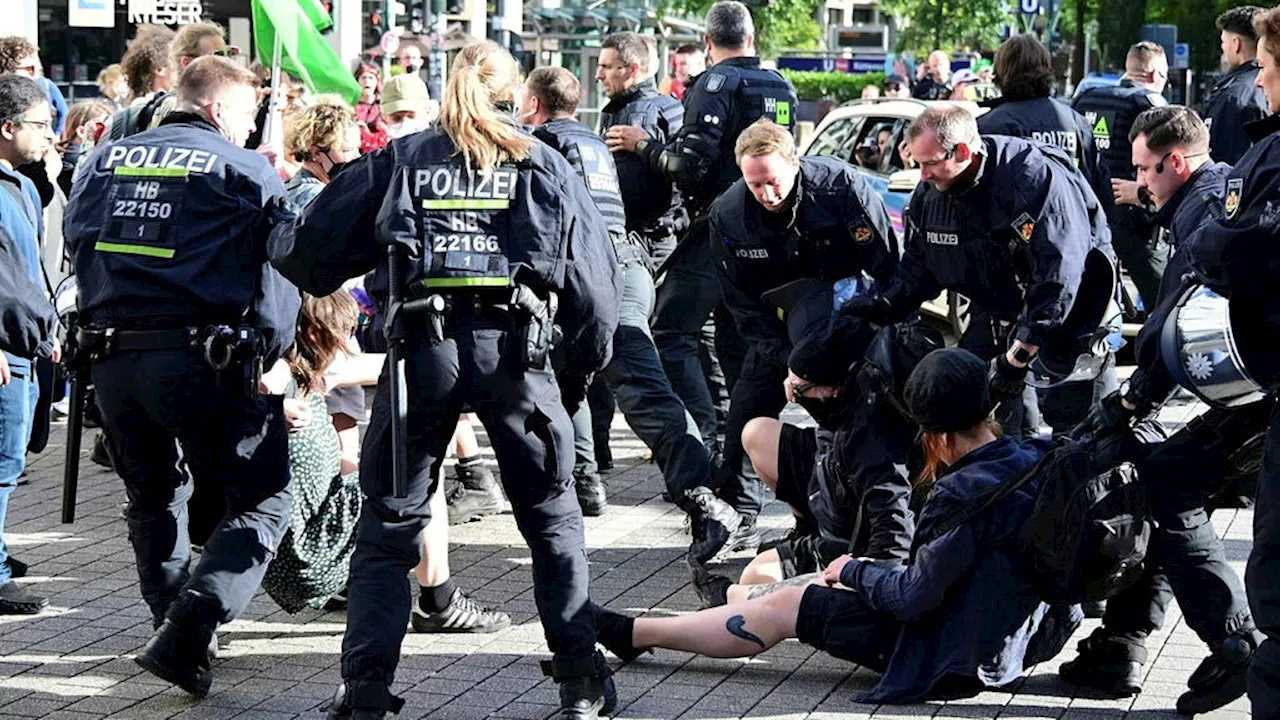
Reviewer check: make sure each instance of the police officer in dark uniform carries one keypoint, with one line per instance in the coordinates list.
(635, 373)
(1009, 223)
(1111, 111)
(1237, 256)
(499, 232)
(1235, 100)
(724, 100)
(168, 230)
(787, 218)
(1171, 153)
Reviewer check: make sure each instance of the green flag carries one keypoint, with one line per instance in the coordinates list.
(297, 23)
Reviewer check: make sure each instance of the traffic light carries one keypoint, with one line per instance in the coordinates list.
(455, 7)
(417, 16)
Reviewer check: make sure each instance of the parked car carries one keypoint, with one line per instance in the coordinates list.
(866, 134)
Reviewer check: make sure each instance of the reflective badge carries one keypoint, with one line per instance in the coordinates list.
(463, 224)
(715, 81)
(1025, 226)
(1235, 186)
(862, 234)
(143, 207)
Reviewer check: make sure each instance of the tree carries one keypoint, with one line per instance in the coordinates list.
(780, 25)
(927, 25)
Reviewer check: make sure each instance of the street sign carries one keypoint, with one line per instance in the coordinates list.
(92, 13)
(1029, 7)
(1181, 57)
(389, 42)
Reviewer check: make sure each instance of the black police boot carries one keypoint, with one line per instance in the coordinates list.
(1106, 664)
(17, 600)
(1094, 609)
(100, 454)
(475, 494)
(713, 521)
(591, 495)
(746, 537)
(604, 455)
(615, 632)
(1221, 677)
(181, 654)
(363, 700)
(712, 589)
(587, 691)
(17, 568)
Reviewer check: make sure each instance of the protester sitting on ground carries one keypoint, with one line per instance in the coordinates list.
(960, 617)
(846, 480)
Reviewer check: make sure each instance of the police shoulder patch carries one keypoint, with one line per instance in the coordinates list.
(715, 81)
(861, 233)
(1024, 226)
(1231, 203)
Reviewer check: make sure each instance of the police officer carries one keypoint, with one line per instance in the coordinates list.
(168, 231)
(1010, 224)
(1235, 100)
(1171, 153)
(488, 215)
(635, 373)
(724, 100)
(1110, 111)
(787, 218)
(1236, 256)
(653, 207)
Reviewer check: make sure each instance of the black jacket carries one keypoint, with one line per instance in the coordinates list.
(650, 199)
(835, 227)
(534, 214)
(592, 161)
(1233, 102)
(1110, 111)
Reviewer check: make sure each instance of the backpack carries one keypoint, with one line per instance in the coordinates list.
(1087, 535)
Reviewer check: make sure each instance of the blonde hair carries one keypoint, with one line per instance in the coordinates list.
(186, 43)
(109, 76)
(319, 127)
(763, 137)
(1267, 25)
(483, 73)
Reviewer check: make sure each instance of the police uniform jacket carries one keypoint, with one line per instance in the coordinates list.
(1234, 101)
(534, 215)
(1110, 111)
(724, 100)
(1052, 122)
(1014, 242)
(1197, 200)
(591, 161)
(834, 226)
(648, 195)
(1238, 255)
(171, 225)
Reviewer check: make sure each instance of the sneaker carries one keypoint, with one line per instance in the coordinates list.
(17, 600)
(463, 615)
(101, 455)
(17, 568)
(713, 522)
(746, 537)
(591, 495)
(1106, 665)
(337, 601)
(713, 590)
(181, 655)
(1221, 677)
(474, 494)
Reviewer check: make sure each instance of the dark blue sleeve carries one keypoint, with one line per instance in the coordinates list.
(588, 314)
(762, 329)
(333, 240)
(1060, 241)
(1151, 380)
(914, 282)
(864, 207)
(910, 592)
(1239, 252)
(59, 104)
(690, 156)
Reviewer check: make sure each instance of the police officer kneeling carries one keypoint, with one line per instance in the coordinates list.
(168, 230)
(488, 215)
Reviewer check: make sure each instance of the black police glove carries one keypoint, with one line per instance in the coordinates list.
(1005, 380)
(1110, 416)
(872, 308)
(573, 390)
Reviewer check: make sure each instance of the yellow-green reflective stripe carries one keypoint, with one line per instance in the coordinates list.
(148, 250)
(151, 172)
(466, 204)
(467, 282)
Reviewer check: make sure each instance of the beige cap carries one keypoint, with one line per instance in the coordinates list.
(404, 92)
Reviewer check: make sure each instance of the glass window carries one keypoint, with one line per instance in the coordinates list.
(876, 146)
(837, 139)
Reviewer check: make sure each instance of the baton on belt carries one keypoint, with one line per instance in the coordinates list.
(78, 375)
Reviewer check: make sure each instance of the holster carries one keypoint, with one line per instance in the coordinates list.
(534, 325)
(235, 354)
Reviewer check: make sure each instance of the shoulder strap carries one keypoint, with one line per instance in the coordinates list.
(994, 495)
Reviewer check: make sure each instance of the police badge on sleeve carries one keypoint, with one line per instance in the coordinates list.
(1235, 186)
(1024, 226)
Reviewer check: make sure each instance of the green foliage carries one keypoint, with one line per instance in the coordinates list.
(783, 25)
(947, 24)
(838, 86)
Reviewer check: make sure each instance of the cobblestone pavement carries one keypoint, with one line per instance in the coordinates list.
(75, 660)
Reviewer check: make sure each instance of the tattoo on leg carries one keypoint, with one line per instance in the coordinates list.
(736, 625)
(756, 591)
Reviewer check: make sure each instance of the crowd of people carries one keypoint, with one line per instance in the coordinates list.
(475, 254)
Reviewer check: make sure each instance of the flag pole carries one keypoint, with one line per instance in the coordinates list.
(273, 132)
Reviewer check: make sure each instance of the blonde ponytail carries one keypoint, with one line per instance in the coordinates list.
(482, 74)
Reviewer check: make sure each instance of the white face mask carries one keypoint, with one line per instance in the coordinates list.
(405, 127)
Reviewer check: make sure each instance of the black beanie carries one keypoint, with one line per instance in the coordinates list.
(947, 392)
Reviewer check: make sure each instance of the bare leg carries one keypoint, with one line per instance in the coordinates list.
(740, 630)
(764, 569)
(464, 438)
(348, 442)
(760, 441)
(433, 569)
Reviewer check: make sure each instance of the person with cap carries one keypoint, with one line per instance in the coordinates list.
(985, 88)
(1235, 99)
(962, 615)
(406, 105)
(1185, 553)
(788, 217)
(1236, 255)
(897, 87)
(846, 481)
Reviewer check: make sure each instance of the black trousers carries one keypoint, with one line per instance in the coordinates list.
(533, 441)
(169, 421)
(1261, 580)
(757, 393)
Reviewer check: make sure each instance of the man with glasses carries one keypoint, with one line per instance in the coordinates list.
(179, 310)
(897, 87)
(27, 331)
(1008, 223)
